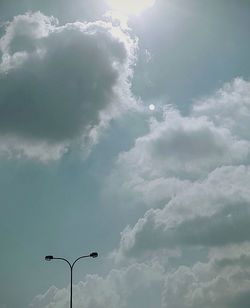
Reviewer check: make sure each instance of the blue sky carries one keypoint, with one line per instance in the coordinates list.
(85, 165)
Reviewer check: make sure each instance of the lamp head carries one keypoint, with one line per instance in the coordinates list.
(49, 258)
(93, 255)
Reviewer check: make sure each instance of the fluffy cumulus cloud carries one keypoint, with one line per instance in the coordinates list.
(229, 107)
(192, 172)
(179, 150)
(120, 288)
(60, 83)
(184, 147)
(191, 246)
(222, 282)
(211, 213)
(205, 162)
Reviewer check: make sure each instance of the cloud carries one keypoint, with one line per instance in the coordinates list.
(120, 288)
(219, 282)
(209, 285)
(228, 107)
(192, 172)
(183, 147)
(179, 150)
(214, 212)
(61, 83)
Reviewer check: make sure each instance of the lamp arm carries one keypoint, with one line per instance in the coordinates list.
(79, 259)
(65, 261)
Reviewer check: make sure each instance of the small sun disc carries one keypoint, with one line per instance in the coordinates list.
(151, 107)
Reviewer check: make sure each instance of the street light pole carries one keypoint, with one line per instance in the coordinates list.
(71, 266)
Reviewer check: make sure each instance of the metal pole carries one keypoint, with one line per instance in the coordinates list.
(71, 282)
(49, 258)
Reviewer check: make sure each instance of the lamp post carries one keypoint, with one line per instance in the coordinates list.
(71, 265)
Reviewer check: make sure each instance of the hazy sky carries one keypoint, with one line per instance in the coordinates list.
(162, 193)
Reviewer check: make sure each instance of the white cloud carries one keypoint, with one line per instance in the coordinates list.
(62, 83)
(192, 173)
(43, 151)
(222, 282)
(176, 152)
(229, 107)
(120, 288)
(183, 147)
(212, 212)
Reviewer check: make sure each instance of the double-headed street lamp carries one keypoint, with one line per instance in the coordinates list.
(91, 255)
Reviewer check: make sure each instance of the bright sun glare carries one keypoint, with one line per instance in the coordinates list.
(151, 107)
(130, 7)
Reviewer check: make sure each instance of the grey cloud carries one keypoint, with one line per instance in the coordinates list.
(243, 261)
(228, 107)
(230, 225)
(214, 212)
(57, 82)
(183, 147)
(120, 288)
(196, 157)
(204, 286)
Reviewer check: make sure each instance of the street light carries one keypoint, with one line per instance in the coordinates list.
(71, 265)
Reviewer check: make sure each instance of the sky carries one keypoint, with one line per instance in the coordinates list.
(124, 129)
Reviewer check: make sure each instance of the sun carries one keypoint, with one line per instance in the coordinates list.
(130, 7)
(151, 107)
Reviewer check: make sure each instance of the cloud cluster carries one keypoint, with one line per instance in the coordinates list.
(192, 173)
(120, 288)
(214, 212)
(179, 150)
(184, 147)
(228, 107)
(60, 83)
(203, 161)
(222, 282)
(191, 246)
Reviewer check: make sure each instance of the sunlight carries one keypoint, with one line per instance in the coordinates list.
(151, 107)
(130, 7)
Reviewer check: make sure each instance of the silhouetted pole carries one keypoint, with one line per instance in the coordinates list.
(71, 266)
